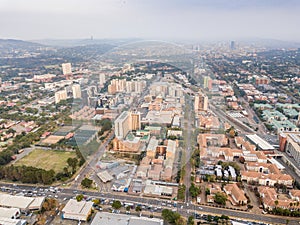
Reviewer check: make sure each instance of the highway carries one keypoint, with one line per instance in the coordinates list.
(182, 208)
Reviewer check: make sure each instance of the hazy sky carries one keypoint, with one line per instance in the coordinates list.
(188, 19)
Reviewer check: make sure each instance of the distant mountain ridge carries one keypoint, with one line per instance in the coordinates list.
(16, 42)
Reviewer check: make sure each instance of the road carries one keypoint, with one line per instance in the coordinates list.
(89, 168)
(237, 124)
(189, 122)
(182, 208)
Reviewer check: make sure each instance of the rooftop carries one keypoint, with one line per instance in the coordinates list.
(262, 144)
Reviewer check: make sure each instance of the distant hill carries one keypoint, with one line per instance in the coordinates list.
(17, 44)
(82, 42)
(270, 43)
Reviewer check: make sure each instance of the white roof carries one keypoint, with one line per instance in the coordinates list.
(7, 221)
(37, 203)
(157, 189)
(152, 144)
(77, 210)
(161, 117)
(261, 142)
(145, 221)
(9, 212)
(276, 163)
(105, 218)
(13, 201)
(171, 146)
(105, 176)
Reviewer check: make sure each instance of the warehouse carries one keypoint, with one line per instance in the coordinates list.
(75, 210)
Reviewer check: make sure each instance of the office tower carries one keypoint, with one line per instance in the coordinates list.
(135, 122)
(232, 45)
(66, 68)
(60, 95)
(201, 102)
(127, 121)
(102, 79)
(122, 125)
(76, 91)
(207, 82)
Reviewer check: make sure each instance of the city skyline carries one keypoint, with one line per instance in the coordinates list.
(204, 20)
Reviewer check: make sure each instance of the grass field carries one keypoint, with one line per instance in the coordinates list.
(47, 159)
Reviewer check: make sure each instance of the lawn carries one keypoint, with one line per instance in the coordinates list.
(47, 159)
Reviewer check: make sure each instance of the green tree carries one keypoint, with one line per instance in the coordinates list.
(190, 220)
(116, 204)
(220, 198)
(194, 190)
(87, 183)
(181, 192)
(170, 217)
(138, 208)
(79, 198)
(72, 162)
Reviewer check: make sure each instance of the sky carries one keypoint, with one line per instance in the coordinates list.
(150, 19)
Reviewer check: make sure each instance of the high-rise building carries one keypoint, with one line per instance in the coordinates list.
(66, 68)
(60, 95)
(290, 142)
(232, 45)
(207, 82)
(201, 102)
(102, 79)
(122, 125)
(76, 89)
(127, 121)
(135, 122)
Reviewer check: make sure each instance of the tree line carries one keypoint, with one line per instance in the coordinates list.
(27, 174)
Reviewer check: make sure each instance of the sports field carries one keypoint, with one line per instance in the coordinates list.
(47, 159)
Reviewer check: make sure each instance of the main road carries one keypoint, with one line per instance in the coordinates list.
(182, 208)
(189, 122)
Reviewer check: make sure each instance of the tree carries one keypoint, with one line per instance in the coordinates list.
(190, 220)
(180, 220)
(79, 198)
(207, 191)
(86, 182)
(128, 208)
(231, 132)
(72, 162)
(171, 217)
(242, 159)
(220, 198)
(181, 192)
(138, 208)
(194, 190)
(117, 204)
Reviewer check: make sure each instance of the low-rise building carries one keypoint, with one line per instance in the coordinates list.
(21, 202)
(237, 196)
(105, 218)
(8, 221)
(270, 200)
(266, 179)
(75, 210)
